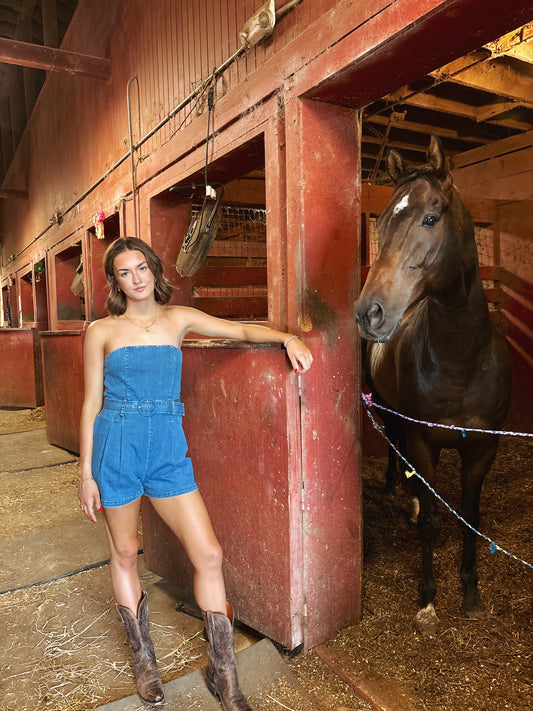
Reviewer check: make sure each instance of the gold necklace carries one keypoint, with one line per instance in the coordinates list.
(139, 325)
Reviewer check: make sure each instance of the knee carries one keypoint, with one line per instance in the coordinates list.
(125, 555)
(210, 558)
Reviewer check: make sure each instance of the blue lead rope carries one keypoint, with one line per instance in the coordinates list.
(411, 471)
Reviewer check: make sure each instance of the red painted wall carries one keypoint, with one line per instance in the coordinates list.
(239, 415)
(20, 368)
(63, 384)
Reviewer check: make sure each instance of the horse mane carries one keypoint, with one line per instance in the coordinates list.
(426, 172)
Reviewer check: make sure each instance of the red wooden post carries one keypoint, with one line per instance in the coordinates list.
(323, 277)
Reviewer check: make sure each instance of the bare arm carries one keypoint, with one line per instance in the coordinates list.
(93, 367)
(206, 325)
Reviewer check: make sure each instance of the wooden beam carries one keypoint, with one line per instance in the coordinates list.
(423, 128)
(405, 97)
(502, 170)
(497, 77)
(518, 44)
(391, 143)
(496, 149)
(53, 60)
(7, 194)
(484, 113)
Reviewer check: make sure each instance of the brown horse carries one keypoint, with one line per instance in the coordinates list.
(433, 353)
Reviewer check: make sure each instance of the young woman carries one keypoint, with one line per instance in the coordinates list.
(132, 443)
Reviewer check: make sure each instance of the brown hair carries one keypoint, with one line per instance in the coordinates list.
(116, 301)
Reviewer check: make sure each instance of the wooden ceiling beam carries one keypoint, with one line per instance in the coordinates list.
(53, 60)
(456, 108)
(518, 44)
(8, 194)
(399, 145)
(485, 113)
(426, 129)
(497, 78)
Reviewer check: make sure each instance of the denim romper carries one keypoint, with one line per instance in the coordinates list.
(139, 446)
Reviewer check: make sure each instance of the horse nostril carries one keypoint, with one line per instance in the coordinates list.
(375, 315)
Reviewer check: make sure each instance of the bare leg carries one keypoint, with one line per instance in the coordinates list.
(187, 518)
(122, 531)
(122, 526)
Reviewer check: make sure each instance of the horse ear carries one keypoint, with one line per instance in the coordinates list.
(395, 165)
(436, 157)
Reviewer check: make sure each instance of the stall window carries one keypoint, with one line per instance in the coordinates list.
(99, 240)
(232, 280)
(70, 282)
(232, 283)
(5, 319)
(41, 300)
(26, 297)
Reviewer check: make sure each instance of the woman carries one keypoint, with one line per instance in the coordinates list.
(134, 444)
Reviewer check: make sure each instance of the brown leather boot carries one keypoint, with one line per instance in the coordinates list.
(149, 684)
(221, 674)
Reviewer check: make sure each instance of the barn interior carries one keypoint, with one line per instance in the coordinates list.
(479, 103)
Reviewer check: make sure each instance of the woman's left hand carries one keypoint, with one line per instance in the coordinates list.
(299, 355)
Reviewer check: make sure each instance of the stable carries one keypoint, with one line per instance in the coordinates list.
(278, 107)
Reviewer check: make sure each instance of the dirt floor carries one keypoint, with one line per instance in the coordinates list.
(62, 646)
(469, 665)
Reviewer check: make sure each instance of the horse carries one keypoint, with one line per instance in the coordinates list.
(434, 355)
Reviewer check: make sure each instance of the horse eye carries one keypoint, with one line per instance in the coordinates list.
(429, 221)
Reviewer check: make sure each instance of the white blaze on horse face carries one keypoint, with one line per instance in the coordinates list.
(401, 205)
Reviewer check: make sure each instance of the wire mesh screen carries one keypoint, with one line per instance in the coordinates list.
(234, 285)
(485, 244)
(241, 237)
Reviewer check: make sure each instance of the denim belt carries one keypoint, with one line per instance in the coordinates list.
(145, 407)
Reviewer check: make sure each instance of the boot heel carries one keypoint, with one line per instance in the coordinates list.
(221, 673)
(211, 686)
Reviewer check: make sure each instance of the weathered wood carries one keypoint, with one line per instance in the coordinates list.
(51, 59)
(8, 194)
(503, 147)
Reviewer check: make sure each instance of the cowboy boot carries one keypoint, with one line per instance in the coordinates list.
(221, 673)
(149, 684)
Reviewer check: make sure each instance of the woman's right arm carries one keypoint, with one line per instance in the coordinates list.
(93, 368)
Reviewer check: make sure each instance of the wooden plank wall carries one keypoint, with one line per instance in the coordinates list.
(170, 45)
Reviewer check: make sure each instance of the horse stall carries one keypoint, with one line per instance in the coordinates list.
(77, 296)
(272, 430)
(471, 112)
(21, 383)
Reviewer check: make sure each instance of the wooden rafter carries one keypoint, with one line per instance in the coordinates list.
(518, 44)
(498, 78)
(51, 59)
(455, 108)
(427, 129)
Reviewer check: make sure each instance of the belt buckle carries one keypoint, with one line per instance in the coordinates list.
(146, 407)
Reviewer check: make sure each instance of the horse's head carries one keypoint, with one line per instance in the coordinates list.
(420, 244)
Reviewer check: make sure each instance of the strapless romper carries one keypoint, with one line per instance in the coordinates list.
(139, 446)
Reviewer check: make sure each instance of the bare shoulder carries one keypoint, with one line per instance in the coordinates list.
(99, 332)
(179, 316)
(175, 312)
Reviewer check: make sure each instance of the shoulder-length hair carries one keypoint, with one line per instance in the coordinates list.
(116, 301)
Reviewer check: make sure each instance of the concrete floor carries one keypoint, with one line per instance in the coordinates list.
(54, 575)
